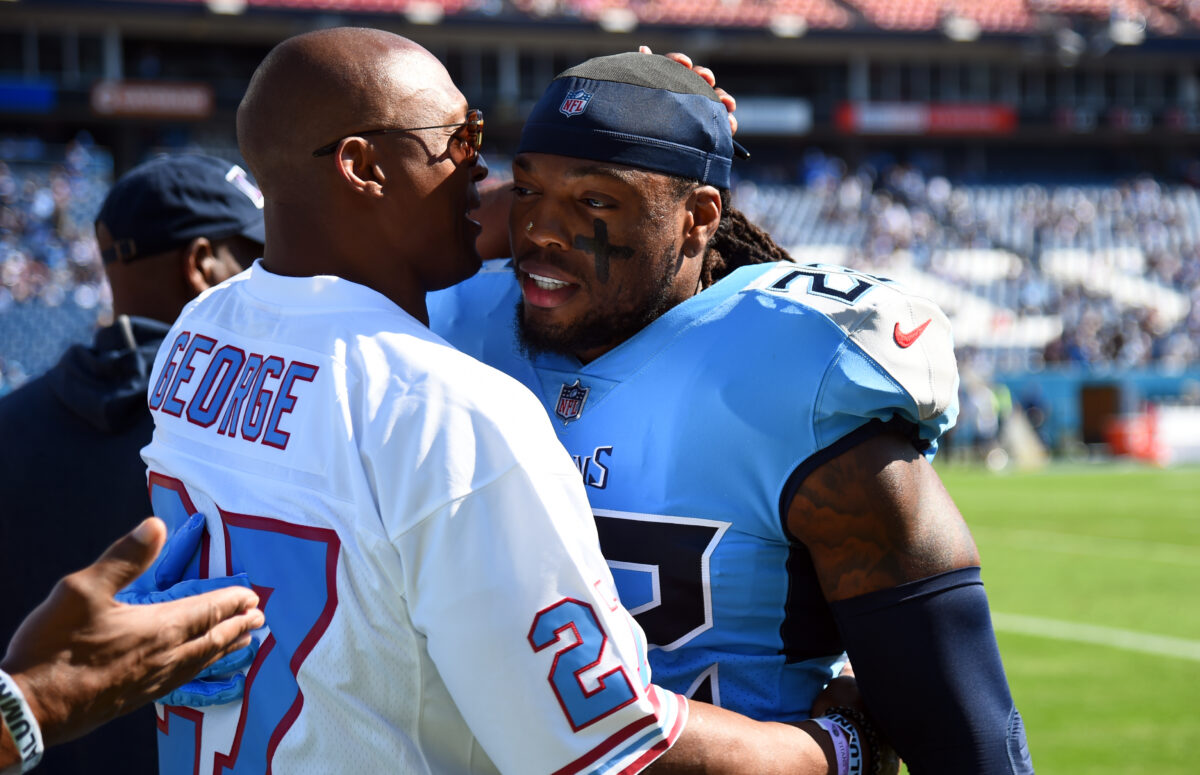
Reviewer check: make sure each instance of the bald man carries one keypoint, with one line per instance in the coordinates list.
(435, 597)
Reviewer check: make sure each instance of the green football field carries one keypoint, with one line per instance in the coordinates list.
(1093, 573)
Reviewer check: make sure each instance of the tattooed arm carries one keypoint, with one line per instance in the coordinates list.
(877, 517)
(900, 570)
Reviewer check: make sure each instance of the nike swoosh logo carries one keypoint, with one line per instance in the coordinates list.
(906, 339)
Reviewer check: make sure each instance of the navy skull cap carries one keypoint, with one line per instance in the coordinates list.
(172, 199)
(639, 110)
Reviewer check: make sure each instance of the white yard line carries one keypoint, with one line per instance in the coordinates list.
(1128, 640)
(1094, 546)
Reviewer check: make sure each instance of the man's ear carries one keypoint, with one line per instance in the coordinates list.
(703, 218)
(358, 167)
(199, 267)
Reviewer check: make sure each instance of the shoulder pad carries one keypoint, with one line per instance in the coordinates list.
(907, 335)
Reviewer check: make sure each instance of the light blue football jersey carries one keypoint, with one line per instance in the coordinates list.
(692, 436)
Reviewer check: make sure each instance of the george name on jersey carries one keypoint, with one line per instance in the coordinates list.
(242, 395)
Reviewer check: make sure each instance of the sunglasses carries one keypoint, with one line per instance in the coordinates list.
(473, 141)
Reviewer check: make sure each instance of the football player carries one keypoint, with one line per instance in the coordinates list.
(755, 435)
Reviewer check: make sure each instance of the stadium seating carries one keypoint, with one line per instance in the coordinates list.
(818, 14)
(1030, 273)
(1007, 16)
(901, 14)
(1160, 17)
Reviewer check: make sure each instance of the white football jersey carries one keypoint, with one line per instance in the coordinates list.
(435, 596)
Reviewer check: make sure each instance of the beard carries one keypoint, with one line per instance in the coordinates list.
(600, 327)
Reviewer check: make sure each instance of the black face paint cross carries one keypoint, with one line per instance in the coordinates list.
(599, 247)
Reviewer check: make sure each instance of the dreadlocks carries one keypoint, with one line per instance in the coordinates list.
(737, 242)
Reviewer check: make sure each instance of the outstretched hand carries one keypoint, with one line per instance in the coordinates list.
(222, 681)
(82, 658)
(726, 98)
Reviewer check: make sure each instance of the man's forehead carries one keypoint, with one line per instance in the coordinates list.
(571, 168)
(417, 80)
(433, 105)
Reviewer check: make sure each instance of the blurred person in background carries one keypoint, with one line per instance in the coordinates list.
(168, 230)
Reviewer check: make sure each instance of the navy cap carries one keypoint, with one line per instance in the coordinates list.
(171, 200)
(640, 110)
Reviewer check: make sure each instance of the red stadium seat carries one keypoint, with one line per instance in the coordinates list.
(1161, 17)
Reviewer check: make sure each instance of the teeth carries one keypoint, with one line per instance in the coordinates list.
(546, 283)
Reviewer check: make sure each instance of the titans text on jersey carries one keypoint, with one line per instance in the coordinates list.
(693, 435)
(592, 468)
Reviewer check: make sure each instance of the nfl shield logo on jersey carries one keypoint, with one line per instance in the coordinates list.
(575, 103)
(570, 401)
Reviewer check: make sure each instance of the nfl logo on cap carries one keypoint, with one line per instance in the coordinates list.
(570, 401)
(575, 102)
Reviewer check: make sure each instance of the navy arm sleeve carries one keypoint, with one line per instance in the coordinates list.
(929, 670)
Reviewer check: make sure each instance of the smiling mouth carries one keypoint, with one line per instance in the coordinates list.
(543, 291)
(546, 283)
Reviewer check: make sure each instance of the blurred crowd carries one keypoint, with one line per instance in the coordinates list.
(874, 217)
(1139, 234)
(52, 286)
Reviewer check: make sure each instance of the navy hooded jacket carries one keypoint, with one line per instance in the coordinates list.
(72, 481)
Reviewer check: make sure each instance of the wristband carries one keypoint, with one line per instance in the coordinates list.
(863, 734)
(842, 742)
(21, 724)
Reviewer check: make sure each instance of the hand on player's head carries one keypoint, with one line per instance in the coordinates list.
(709, 76)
